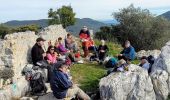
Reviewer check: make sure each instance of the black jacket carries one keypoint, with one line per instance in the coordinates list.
(36, 53)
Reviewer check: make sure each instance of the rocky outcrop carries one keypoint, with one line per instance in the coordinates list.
(137, 84)
(15, 52)
(132, 85)
(161, 73)
(154, 53)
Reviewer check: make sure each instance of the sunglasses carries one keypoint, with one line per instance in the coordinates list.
(51, 49)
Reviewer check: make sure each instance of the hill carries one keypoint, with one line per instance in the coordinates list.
(92, 24)
(166, 15)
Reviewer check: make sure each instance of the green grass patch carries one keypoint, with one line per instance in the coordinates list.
(87, 75)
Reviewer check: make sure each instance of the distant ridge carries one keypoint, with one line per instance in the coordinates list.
(92, 24)
(166, 15)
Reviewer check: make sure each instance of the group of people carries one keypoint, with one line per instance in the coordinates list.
(57, 60)
(60, 56)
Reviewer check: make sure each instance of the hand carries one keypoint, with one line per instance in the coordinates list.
(102, 51)
(44, 55)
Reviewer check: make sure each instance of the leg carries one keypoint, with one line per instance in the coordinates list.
(76, 91)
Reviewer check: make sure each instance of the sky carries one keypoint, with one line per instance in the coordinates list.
(95, 9)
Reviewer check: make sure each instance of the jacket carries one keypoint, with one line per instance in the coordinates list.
(36, 53)
(129, 53)
(60, 83)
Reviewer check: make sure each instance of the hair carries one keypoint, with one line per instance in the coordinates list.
(49, 48)
(60, 38)
(143, 57)
(69, 34)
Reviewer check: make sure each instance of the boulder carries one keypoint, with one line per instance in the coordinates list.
(154, 53)
(161, 73)
(134, 84)
(15, 53)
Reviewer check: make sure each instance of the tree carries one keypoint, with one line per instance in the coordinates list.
(64, 16)
(143, 29)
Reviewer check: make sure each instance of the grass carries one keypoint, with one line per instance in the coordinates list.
(88, 75)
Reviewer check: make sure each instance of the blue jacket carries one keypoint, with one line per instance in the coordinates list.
(59, 84)
(129, 53)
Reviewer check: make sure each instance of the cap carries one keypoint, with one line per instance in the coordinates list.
(40, 39)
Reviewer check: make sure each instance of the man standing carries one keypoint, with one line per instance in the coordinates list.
(37, 52)
(62, 86)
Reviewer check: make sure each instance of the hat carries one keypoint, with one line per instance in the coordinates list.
(121, 62)
(58, 64)
(40, 39)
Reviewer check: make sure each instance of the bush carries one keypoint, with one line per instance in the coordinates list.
(32, 27)
(4, 30)
(144, 30)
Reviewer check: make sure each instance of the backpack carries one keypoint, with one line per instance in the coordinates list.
(151, 60)
(111, 63)
(37, 83)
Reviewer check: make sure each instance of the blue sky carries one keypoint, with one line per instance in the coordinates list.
(96, 9)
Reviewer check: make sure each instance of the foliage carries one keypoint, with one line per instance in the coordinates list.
(32, 27)
(143, 29)
(4, 30)
(64, 15)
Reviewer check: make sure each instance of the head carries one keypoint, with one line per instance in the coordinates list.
(40, 41)
(60, 39)
(50, 49)
(102, 42)
(63, 68)
(68, 35)
(85, 28)
(127, 44)
(143, 60)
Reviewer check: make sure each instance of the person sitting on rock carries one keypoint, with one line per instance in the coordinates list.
(61, 47)
(37, 52)
(128, 52)
(70, 43)
(102, 50)
(62, 86)
(144, 63)
(51, 55)
(84, 36)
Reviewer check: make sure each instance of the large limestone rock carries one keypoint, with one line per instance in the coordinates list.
(154, 53)
(15, 51)
(132, 85)
(161, 73)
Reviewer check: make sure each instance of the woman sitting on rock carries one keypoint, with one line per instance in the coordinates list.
(61, 47)
(51, 55)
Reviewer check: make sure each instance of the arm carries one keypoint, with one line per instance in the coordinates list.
(35, 54)
(64, 82)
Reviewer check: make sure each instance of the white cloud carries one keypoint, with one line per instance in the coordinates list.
(96, 9)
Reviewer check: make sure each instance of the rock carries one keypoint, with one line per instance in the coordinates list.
(160, 73)
(132, 85)
(48, 96)
(14, 91)
(154, 53)
(15, 53)
(26, 98)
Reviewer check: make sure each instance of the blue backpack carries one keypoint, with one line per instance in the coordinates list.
(111, 63)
